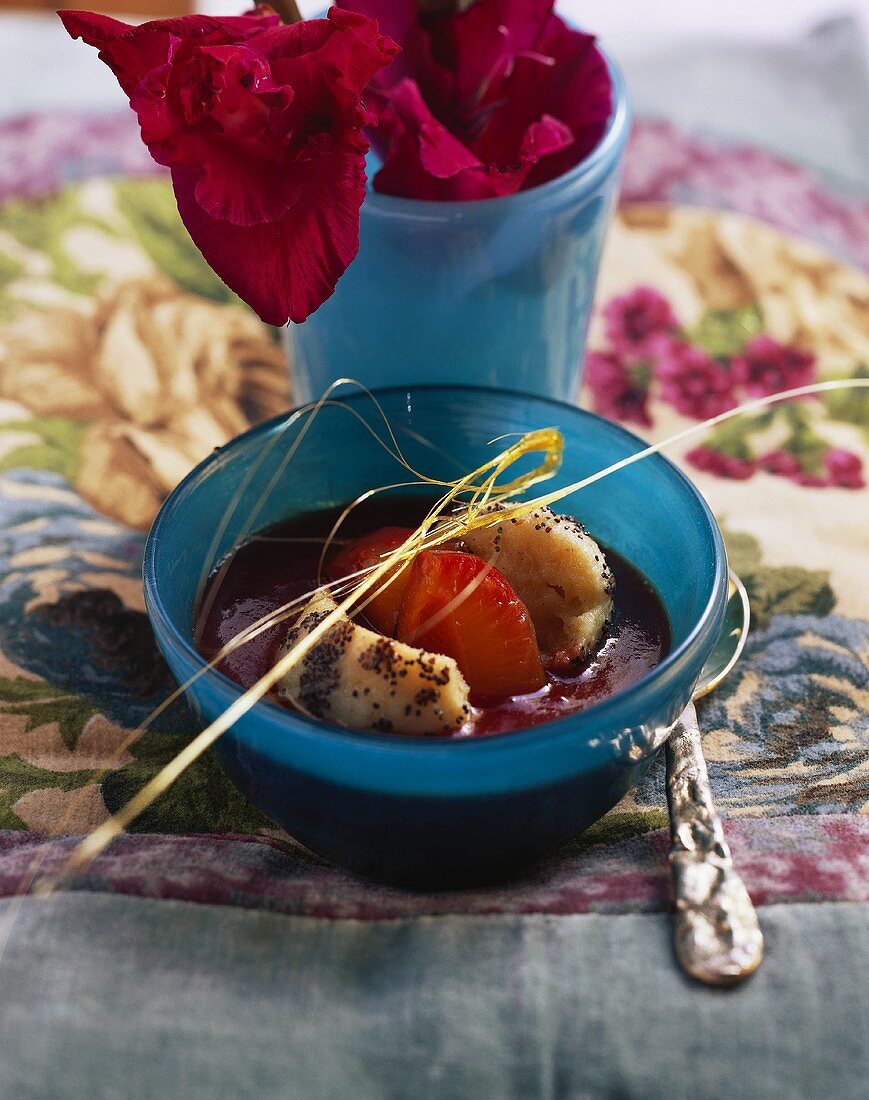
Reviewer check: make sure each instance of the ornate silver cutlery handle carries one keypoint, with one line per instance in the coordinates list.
(717, 935)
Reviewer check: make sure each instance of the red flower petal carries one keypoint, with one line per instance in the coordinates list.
(285, 268)
(262, 126)
(370, 51)
(425, 160)
(439, 153)
(93, 28)
(169, 105)
(566, 78)
(133, 52)
(400, 20)
(545, 137)
(579, 92)
(526, 96)
(478, 44)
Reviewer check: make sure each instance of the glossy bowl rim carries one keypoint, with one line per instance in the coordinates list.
(324, 733)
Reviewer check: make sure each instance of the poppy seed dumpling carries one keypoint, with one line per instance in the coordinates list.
(364, 680)
(558, 571)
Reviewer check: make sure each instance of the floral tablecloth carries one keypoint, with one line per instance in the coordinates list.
(729, 273)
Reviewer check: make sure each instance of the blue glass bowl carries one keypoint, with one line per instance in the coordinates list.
(441, 812)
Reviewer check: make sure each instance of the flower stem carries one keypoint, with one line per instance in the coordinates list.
(442, 7)
(288, 10)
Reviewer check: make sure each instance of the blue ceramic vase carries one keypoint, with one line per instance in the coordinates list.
(439, 811)
(496, 292)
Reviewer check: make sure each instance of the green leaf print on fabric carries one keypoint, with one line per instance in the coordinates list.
(42, 227)
(725, 332)
(802, 440)
(32, 714)
(616, 827)
(149, 206)
(202, 800)
(850, 406)
(10, 269)
(733, 437)
(57, 447)
(18, 778)
(777, 590)
(40, 703)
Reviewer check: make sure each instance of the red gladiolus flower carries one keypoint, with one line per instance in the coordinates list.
(262, 128)
(486, 101)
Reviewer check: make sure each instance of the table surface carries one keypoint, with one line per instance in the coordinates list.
(205, 955)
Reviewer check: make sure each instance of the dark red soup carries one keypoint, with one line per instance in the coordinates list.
(281, 564)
